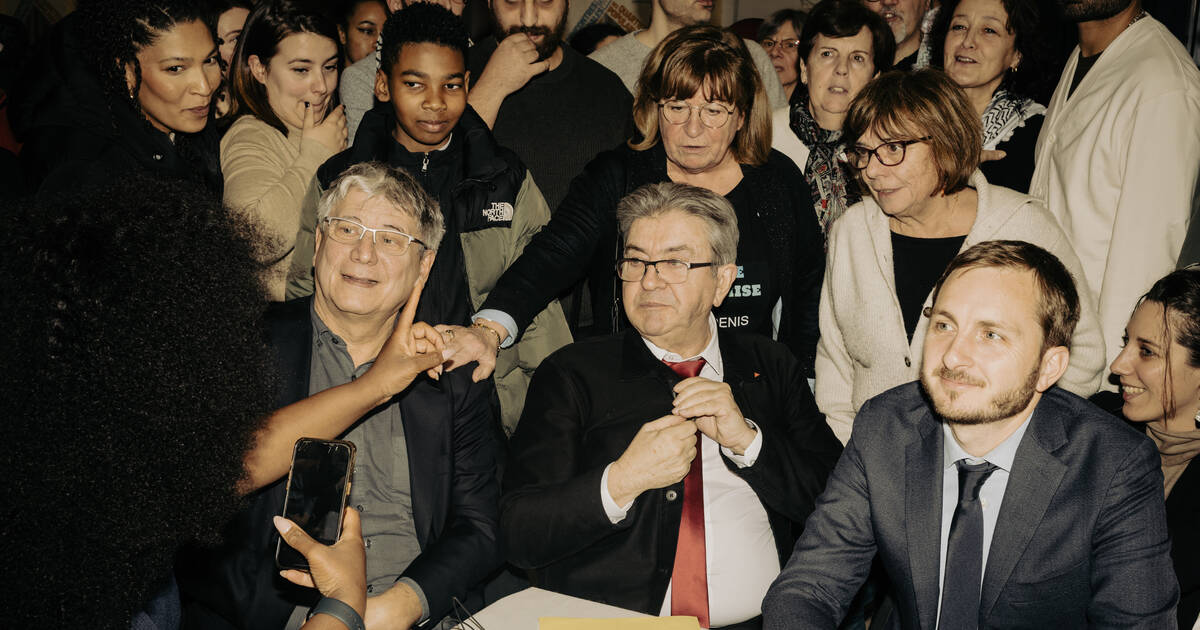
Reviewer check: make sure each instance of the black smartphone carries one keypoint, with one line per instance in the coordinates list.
(318, 487)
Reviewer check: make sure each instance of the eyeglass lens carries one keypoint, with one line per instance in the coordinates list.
(388, 241)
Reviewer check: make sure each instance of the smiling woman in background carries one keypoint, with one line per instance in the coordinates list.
(1159, 370)
(1000, 53)
(127, 88)
(287, 123)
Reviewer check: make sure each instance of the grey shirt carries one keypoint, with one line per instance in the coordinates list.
(381, 490)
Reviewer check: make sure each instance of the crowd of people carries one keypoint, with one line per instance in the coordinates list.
(883, 317)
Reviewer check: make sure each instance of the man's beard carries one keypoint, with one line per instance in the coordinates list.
(1091, 10)
(551, 37)
(1001, 406)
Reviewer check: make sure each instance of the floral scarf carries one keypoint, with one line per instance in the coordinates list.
(832, 189)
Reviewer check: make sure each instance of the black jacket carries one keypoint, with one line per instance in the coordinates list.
(75, 136)
(472, 173)
(581, 238)
(586, 403)
(452, 466)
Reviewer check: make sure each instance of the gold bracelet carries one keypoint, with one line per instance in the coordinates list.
(499, 340)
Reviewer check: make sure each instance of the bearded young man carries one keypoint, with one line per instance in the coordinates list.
(551, 105)
(1118, 156)
(992, 497)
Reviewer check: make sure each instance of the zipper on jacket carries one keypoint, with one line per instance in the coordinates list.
(425, 164)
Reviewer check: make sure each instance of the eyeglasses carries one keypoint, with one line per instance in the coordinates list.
(712, 115)
(391, 242)
(786, 44)
(888, 153)
(669, 271)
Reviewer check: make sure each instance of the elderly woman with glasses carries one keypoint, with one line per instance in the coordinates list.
(703, 119)
(915, 141)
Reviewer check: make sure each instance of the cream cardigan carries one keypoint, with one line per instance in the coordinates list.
(267, 176)
(1117, 164)
(863, 349)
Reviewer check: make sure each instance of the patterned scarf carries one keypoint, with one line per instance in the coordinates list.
(832, 189)
(1004, 115)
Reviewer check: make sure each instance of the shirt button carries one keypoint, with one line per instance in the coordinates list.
(157, 156)
(907, 362)
(672, 495)
(367, 543)
(370, 588)
(360, 508)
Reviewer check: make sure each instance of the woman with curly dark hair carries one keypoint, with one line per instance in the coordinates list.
(127, 87)
(287, 122)
(1000, 53)
(136, 382)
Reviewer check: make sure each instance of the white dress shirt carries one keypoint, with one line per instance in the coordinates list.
(991, 495)
(740, 554)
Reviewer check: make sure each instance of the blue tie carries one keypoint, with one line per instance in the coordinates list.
(964, 551)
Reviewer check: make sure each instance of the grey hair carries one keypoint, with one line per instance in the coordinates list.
(714, 210)
(394, 185)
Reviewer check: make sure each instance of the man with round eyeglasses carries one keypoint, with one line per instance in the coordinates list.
(664, 469)
(425, 480)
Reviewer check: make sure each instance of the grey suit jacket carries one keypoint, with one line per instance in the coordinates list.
(1080, 541)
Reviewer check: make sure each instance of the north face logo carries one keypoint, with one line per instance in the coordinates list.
(500, 211)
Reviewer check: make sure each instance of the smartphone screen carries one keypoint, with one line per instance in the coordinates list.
(317, 490)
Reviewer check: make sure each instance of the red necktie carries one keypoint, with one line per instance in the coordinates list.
(689, 579)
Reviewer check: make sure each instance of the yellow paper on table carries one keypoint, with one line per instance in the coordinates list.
(641, 623)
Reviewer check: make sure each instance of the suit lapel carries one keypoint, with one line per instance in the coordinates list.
(923, 513)
(1035, 477)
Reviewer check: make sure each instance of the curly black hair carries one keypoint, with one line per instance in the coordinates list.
(135, 377)
(117, 30)
(419, 23)
(1038, 32)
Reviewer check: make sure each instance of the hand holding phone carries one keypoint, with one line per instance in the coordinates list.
(337, 571)
(317, 490)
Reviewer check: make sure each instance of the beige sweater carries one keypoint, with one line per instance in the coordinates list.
(268, 175)
(863, 349)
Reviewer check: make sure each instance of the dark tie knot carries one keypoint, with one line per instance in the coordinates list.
(686, 369)
(971, 478)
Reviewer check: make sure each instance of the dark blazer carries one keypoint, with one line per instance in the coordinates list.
(581, 241)
(1080, 541)
(451, 439)
(585, 404)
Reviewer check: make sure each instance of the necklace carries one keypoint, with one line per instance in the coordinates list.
(1134, 20)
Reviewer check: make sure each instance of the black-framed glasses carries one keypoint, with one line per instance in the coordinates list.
(349, 232)
(888, 153)
(669, 271)
(712, 115)
(784, 44)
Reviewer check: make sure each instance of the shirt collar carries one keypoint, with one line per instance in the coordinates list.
(711, 353)
(1001, 456)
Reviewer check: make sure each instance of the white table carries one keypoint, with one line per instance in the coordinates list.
(521, 610)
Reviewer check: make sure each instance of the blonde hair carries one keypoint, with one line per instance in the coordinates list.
(705, 59)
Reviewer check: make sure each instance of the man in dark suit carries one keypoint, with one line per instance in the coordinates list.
(669, 469)
(993, 498)
(425, 472)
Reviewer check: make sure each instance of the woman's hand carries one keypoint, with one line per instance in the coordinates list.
(337, 571)
(411, 349)
(330, 133)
